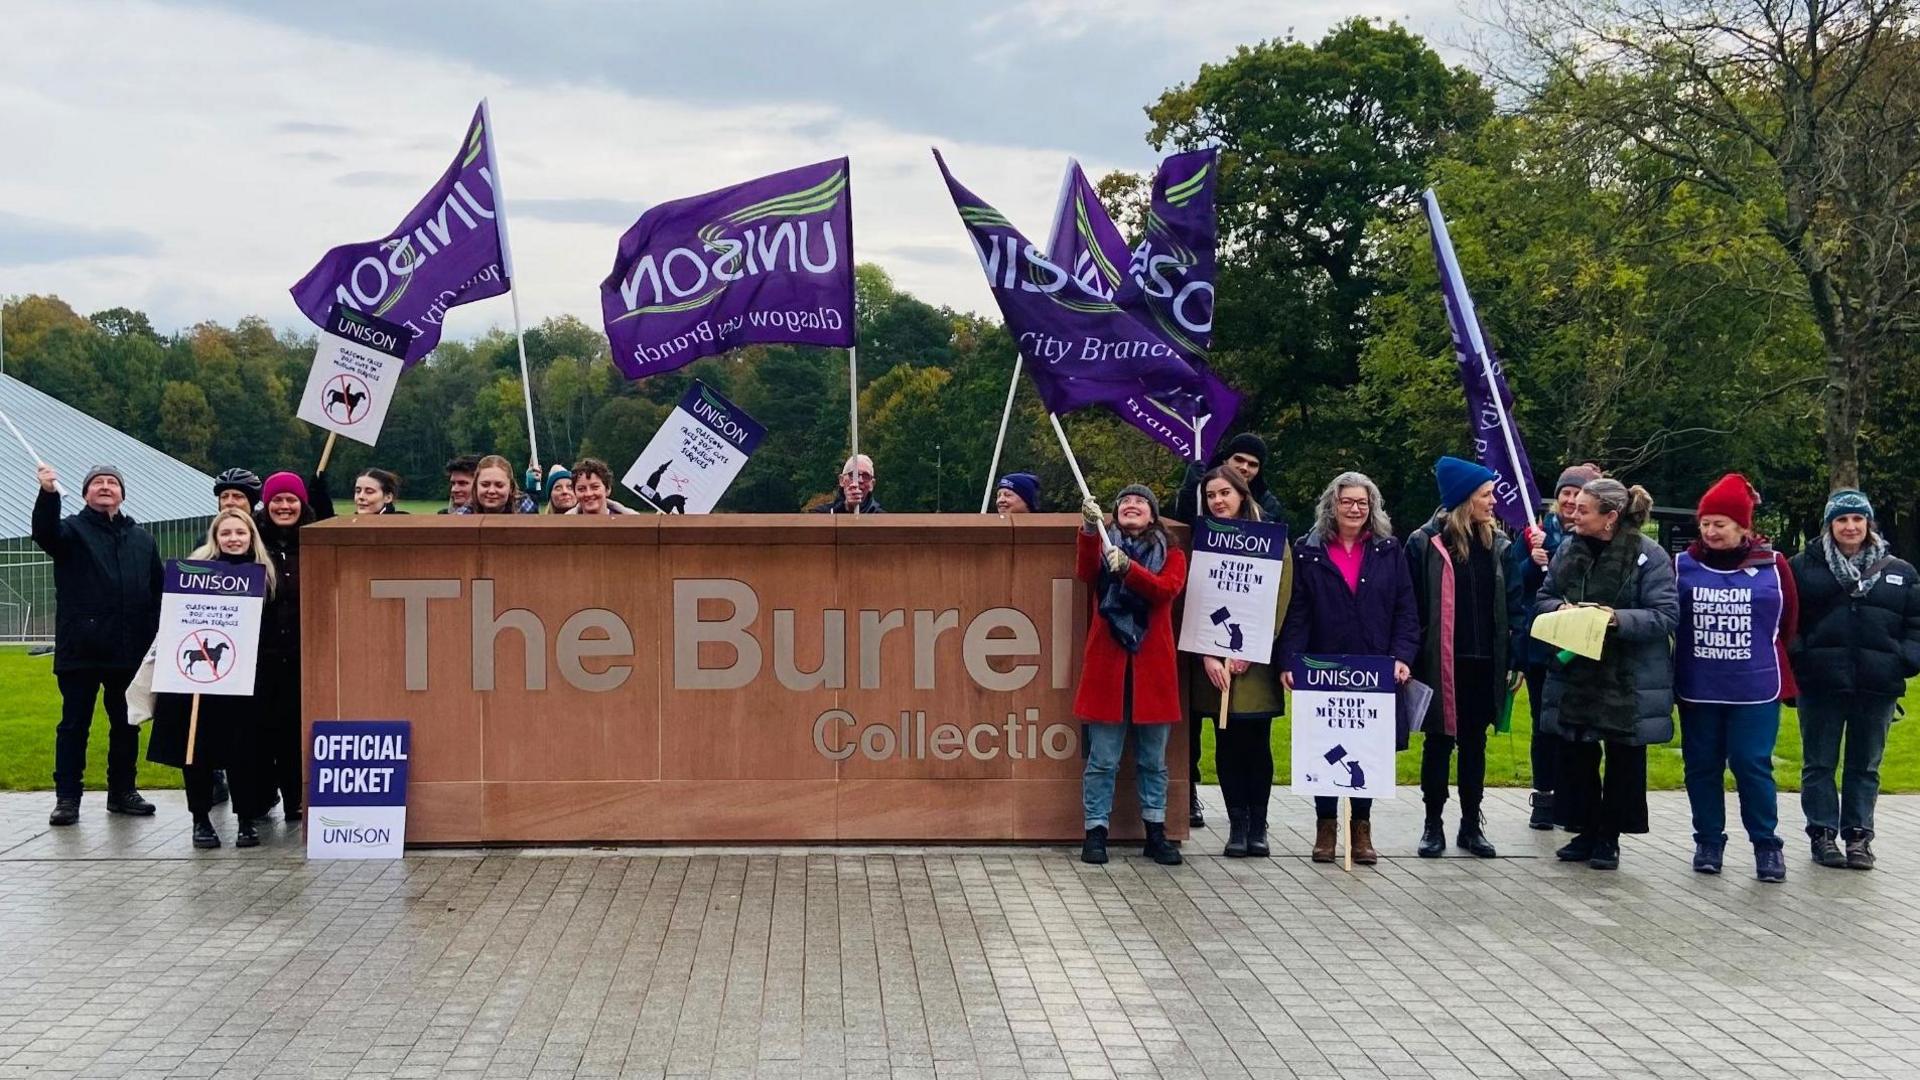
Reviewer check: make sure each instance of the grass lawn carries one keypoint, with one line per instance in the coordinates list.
(29, 711)
(1509, 763)
(30, 707)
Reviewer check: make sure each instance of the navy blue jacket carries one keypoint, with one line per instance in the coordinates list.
(1381, 618)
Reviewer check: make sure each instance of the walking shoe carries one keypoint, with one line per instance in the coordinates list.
(221, 793)
(1769, 863)
(203, 834)
(1362, 843)
(1157, 848)
(1257, 833)
(1606, 854)
(1196, 816)
(1433, 839)
(1825, 851)
(65, 811)
(1094, 848)
(1542, 818)
(1325, 839)
(129, 802)
(1474, 838)
(1709, 856)
(1236, 833)
(246, 837)
(1578, 849)
(1860, 853)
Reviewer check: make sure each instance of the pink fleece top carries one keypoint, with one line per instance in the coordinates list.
(1348, 559)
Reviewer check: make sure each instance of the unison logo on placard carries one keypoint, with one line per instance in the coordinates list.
(335, 830)
(1326, 674)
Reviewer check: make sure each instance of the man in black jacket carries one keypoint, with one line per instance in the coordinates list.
(106, 581)
(856, 490)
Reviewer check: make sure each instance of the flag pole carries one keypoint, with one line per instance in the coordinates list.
(1470, 328)
(1006, 414)
(506, 267)
(853, 395)
(1078, 478)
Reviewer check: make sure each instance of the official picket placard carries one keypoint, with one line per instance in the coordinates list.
(209, 627)
(355, 370)
(1343, 726)
(696, 454)
(1233, 587)
(357, 788)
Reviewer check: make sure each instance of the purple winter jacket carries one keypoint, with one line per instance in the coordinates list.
(1324, 616)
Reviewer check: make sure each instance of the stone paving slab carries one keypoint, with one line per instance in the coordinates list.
(125, 953)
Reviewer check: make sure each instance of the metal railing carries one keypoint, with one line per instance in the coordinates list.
(26, 577)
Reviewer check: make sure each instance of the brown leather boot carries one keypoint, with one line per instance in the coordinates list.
(1363, 852)
(1324, 830)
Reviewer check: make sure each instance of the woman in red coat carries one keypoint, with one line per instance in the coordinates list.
(1128, 683)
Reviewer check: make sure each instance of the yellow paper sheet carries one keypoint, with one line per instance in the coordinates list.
(1579, 630)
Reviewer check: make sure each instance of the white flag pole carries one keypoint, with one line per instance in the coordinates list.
(1470, 326)
(506, 267)
(1072, 463)
(1006, 414)
(853, 396)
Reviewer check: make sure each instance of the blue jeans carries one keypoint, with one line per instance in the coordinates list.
(1104, 745)
(1863, 721)
(1716, 738)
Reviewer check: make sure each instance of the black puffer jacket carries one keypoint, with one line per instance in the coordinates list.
(1855, 644)
(106, 582)
(280, 620)
(1187, 503)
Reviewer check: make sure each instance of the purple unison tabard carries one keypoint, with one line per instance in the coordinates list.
(767, 261)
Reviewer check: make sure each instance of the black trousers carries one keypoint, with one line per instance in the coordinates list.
(1243, 755)
(1546, 748)
(243, 785)
(1477, 691)
(1589, 802)
(78, 689)
(278, 751)
(1327, 808)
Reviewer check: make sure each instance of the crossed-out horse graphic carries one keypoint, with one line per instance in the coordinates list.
(199, 650)
(344, 399)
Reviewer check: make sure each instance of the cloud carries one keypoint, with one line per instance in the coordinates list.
(311, 127)
(579, 211)
(26, 241)
(377, 178)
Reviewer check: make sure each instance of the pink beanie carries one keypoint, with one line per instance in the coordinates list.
(283, 483)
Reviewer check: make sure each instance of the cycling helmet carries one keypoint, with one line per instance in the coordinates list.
(242, 480)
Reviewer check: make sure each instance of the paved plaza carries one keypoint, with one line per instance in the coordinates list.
(124, 953)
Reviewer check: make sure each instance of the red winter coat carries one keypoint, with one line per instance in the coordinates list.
(1156, 685)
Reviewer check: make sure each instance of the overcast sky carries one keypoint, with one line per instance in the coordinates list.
(195, 159)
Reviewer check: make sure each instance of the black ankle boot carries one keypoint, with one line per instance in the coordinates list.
(1257, 833)
(1157, 848)
(1094, 848)
(1236, 833)
(246, 837)
(1433, 839)
(1474, 838)
(203, 834)
(1542, 816)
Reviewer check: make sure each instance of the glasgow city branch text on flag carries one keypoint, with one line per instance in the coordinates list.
(767, 261)
(1496, 437)
(444, 253)
(1079, 347)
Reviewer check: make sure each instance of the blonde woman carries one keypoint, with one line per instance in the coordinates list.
(223, 737)
(1458, 563)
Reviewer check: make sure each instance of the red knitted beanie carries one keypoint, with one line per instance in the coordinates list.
(1730, 497)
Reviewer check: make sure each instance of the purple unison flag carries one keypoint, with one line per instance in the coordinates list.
(1086, 242)
(770, 260)
(1496, 438)
(1080, 348)
(444, 253)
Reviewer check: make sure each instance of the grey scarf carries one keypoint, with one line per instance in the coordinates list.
(1860, 572)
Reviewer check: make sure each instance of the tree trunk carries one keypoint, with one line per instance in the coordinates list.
(1842, 406)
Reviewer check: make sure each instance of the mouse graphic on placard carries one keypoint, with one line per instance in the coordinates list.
(1356, 776)
(1235, 639)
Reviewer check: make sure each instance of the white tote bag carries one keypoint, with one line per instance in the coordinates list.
(140, 691)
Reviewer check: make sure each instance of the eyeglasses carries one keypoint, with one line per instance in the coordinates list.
(1353, 504)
